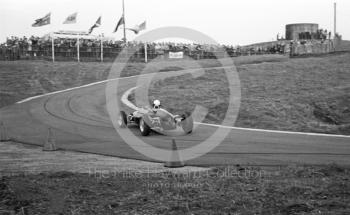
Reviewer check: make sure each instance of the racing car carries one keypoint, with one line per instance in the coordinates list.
(158, 120)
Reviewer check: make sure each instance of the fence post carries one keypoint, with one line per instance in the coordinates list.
(78, 49)
(53, 47)
(146, 53)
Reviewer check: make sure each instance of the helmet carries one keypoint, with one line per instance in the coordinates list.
(156, 104)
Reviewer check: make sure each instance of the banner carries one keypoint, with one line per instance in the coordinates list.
(176, 55)
(81, 33)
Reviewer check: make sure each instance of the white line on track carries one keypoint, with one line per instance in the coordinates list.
(74, 88)
(274, 131)
(132, 106)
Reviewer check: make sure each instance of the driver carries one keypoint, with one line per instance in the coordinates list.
(157, 110)
(156, 104)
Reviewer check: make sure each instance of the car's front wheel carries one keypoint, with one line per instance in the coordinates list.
(144, 128)
(187, 124)
(122, 120)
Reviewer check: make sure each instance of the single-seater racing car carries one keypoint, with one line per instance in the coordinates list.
(157, 119)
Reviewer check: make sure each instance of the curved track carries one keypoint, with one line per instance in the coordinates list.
(81, 122)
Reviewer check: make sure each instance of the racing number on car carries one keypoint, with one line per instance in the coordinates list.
(156, 122)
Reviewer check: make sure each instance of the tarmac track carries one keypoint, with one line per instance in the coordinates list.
(81, 122)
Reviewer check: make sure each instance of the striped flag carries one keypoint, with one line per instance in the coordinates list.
(138, 28)
(46, 20)
(120, 22)
(97, 24)
(71, 19)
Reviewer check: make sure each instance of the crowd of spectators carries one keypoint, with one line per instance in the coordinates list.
(321, 34)
(36, 46)
(29, 43)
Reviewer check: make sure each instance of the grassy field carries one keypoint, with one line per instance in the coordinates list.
(223, 190)
(300, 94)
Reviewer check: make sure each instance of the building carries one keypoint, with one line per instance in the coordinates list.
(298, 30)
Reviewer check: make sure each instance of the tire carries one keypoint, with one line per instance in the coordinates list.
(144, 128)
(122, 121)
(187, 125)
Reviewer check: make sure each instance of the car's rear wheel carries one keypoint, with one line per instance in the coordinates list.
(144, 128)
(122, 120)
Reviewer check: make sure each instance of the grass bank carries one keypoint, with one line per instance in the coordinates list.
(222, 190)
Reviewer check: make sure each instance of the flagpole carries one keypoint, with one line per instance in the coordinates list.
(124, 23)
(53, 47)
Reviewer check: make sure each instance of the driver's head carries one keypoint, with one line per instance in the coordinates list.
(156, 104)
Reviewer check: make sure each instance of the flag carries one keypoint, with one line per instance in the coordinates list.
(120, 22)
(138, 28)
(97, 24)
(46, 20)
(71, 19)
(142, 26)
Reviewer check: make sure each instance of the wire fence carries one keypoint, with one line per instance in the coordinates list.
(109, 54)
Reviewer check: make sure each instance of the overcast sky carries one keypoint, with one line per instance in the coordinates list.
(226, 21)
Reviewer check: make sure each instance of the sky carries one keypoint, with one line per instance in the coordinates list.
(232, 22)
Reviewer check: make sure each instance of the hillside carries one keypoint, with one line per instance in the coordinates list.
(344, 46)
